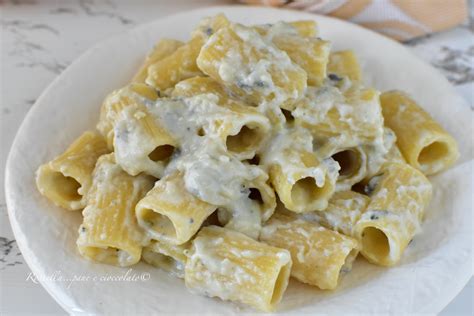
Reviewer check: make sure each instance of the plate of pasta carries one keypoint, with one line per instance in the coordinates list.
(246, 159)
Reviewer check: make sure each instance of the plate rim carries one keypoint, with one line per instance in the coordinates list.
(21, 238)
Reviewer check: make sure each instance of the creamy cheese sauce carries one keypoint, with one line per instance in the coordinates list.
(211, 173)
(239, 67)
(197, 124)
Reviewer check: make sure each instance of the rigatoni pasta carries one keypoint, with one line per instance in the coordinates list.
(116, 101)
(319, 255)
(344, 64)
(234, 267)
(162, 49)
(246, 155)
(398, 198)
(422, 141)
(110, 232)
(237, 57)
(66, 179)
(171, 214)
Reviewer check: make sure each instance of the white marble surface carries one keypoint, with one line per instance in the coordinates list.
(39, 39)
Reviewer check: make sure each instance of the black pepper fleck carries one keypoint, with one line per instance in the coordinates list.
(209, 31)
(334, 77)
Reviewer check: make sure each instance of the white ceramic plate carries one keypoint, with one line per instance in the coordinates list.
(434, 269)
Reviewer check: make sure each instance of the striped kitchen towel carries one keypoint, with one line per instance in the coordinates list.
(399, 19)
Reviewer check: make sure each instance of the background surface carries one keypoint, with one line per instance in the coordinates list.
(40, 38)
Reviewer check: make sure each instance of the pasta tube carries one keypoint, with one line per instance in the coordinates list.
(343, 211)
(141, 144)
(162, 49)
(353, 166)
(229, 265)
(348, 119)
(303, 28)
(166, 256)
(209, 26)
(260, 193)
(306, 28)
(237, 57)
(398, 197)
(179, 65)
(115, 102)
(307, 188)
(242, 135)
(200, 85)
(110, 233)
(318, 254)
(422, 141)
(245, 134)
(66, 179)
(170, 213)
(311, 54)
(303, 182)
(344, 64)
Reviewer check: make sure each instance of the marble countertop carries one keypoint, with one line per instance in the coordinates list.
(39, 39)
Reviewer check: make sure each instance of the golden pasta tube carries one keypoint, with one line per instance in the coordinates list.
(353, 166)
(398, 197)
(351, 118)
(115, 102)
(66, 179)
(305, 185)
(141, 144)
(209, 26)
(166, 256)
(200, 85)
(244, 135)
(344, 64)
(109, 232)
(162, 49)
(319, 255)
(422, 141)
(306, 28)
(170, 213)
(260, 193)
(258, 72)
(343, 211)
(180, 65)
(311, 54)
(229, 265)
